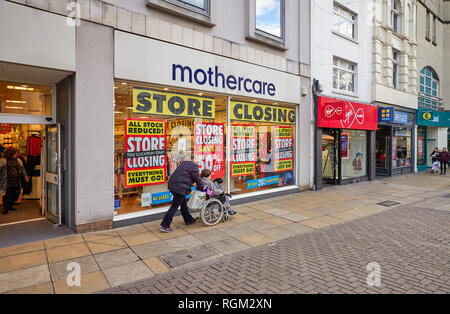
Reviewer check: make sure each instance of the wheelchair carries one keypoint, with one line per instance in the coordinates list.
(214, 209)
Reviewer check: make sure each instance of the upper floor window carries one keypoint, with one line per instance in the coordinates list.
(395, 16)
(429, 88)
(395, 67)
(199, 6)
(269, 17)
(344, 75)
(427, 26)
(344, 22)
(434, 30)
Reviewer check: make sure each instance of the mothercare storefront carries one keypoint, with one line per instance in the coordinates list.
(237, 119)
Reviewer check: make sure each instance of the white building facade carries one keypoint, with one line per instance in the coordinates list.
(394, 85)
(341, 64)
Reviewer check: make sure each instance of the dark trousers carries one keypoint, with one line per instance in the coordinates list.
(178, 201)
(443, 167)
(11, 195)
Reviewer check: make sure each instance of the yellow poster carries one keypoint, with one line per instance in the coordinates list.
(243, 169)
(145, 177)
(156, 102)
(248, 111)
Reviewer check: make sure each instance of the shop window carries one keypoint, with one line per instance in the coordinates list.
(29, 99)
(262, 146)
(401, 147)
(344, 22)
(354, 153)
(157, 127)
(182, 123)
(421, 146)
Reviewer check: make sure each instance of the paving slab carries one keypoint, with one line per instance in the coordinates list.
(127, 273)
(89, 283)
(115, 258)
(22, 278)
(59, 270)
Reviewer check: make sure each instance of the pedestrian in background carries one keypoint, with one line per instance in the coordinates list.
(11, 173)
(180, 184)
(434, 160)
(443, 159)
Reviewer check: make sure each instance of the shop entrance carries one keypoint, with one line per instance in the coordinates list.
(38, 151)
(330, 158)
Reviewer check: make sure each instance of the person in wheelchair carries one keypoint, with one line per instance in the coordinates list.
(216, 191)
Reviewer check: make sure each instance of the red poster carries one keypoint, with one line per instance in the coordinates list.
(342, 114)
(420, 146)
(283, 148)
(243, 154)
(145, 152)
(209, 147)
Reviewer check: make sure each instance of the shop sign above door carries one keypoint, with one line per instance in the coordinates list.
(342, 114)
(400, 117)
(433, 118)
(385, 114)
(142, 59)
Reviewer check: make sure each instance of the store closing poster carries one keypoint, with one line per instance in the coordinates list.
(145, 152)
(209, 147)
(283, 148)
(244, 152)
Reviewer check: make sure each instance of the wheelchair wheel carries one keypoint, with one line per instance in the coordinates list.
(211, 212)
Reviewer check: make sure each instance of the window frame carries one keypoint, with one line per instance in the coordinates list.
(395, 68)
(339, 68)
(179, 7)
(429, 100)
(260, 36)
(396, 13)
(338, 14)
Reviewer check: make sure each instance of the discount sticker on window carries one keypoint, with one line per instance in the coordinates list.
(151, 101)
(145, 152)
(209, 147)
(243, 155)
(283, 148)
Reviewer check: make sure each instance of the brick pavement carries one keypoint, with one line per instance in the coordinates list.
(410, 243)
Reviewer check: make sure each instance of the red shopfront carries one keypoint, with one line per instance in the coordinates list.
(345, 141)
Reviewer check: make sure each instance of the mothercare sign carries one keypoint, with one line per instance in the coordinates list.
(145, 152)
(148, 60)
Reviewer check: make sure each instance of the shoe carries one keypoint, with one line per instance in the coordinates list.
(192, 222)
(232, 212)
(165, 230)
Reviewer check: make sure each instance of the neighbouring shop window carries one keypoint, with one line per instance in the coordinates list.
(401, 147)
(354, 153)
(421, 147)
(344, 22)
(262, 146)
(344, 75)
(30, 99)
(270, 17)
(382, 147)
(163, 126)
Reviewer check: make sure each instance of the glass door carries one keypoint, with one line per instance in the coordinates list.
(330, 156)
(53, 173)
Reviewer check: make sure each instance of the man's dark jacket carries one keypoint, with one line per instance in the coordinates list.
(183, 178)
